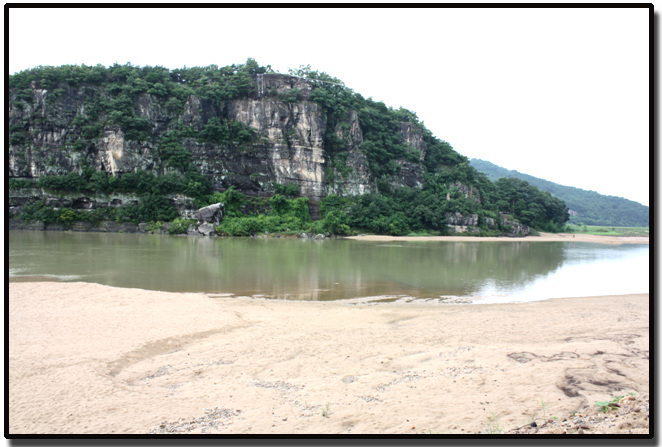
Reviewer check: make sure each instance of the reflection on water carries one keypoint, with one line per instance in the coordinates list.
(588, 270)
(330, 269)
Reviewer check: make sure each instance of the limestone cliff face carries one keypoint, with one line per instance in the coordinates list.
(291, 148)
(43, 135)
(282, 137)
(357, 180)
(289, 143)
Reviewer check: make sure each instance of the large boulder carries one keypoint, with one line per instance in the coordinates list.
(212, 214)
(206, 229)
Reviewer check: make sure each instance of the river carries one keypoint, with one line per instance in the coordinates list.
(483, 272)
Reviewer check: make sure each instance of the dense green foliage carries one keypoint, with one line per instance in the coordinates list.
(289, 190)
(591, 208)
(191, 183)
(531, 206)
(211, 82)
(112, 99)
(151, 208)
(277, 214)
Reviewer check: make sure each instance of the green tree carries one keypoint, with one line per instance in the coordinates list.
(175, 155)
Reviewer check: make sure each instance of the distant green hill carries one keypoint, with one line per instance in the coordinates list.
(586, 207)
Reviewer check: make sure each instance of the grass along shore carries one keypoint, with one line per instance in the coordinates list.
(608, 230)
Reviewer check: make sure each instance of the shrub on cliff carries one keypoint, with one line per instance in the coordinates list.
(39, 211)
(289, 189)
(70, 182)
(175, 155)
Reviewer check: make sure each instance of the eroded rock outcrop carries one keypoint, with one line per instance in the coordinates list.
(513, 226)
(288, 144)
(460, 223)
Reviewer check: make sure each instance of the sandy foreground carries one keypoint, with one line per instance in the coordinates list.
(88, 358)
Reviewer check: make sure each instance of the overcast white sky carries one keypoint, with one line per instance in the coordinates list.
(561, 94)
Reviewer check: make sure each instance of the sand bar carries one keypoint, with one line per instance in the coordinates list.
(544, 237)
(88, 358)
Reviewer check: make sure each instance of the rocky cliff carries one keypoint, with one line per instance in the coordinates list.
(287, 144)
(148, 144)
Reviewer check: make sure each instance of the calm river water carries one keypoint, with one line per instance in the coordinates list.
(333, 269)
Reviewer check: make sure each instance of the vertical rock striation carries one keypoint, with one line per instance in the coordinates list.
(290, 131)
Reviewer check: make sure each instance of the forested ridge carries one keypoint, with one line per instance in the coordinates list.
(585, 207)
(446, 185)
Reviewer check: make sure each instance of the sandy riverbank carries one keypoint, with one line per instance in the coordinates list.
(87, 358)
(544, 237)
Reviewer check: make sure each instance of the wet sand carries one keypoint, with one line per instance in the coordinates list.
(88, 358)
